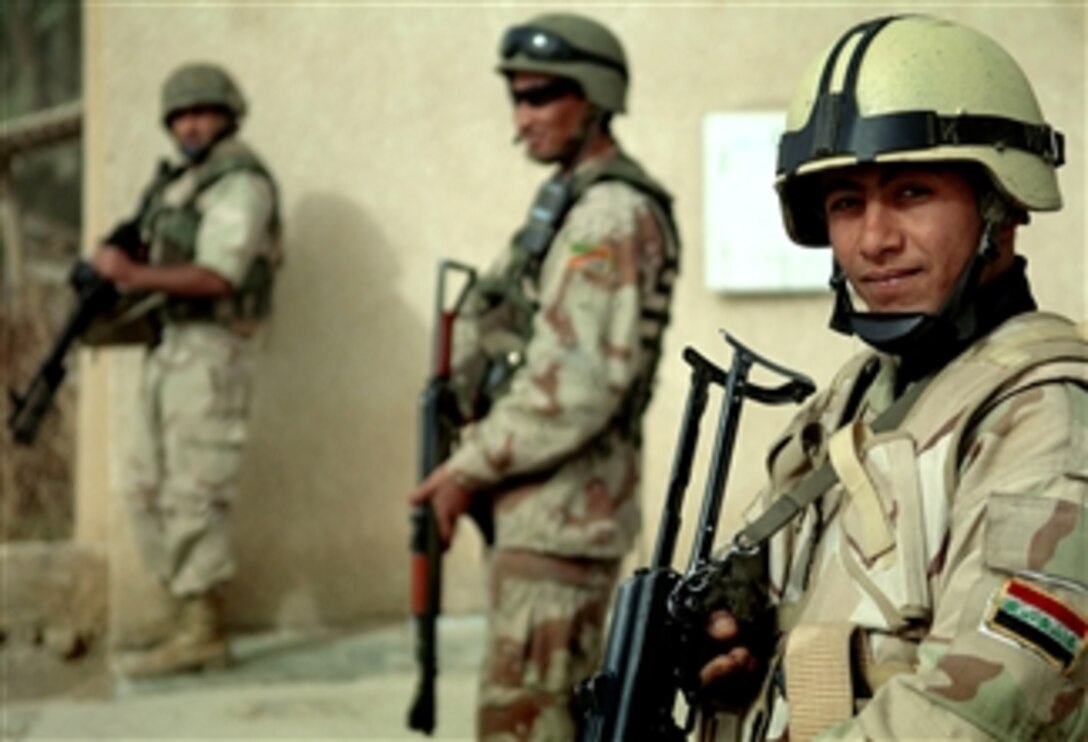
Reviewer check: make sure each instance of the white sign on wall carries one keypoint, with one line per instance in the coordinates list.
(747, 249)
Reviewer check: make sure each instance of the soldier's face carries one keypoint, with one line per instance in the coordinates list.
(901, 233)
(195, 129)
(549, 114)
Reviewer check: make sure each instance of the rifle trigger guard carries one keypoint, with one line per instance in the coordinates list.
(688, 598)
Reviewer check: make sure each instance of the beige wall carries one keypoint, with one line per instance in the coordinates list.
(390, 136)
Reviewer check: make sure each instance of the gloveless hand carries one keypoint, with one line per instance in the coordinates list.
(113, 264)
(449, 497)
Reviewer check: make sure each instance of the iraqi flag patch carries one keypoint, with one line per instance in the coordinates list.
(1039, 621)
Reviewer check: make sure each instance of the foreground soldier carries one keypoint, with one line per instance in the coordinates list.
(210, 226)
(561, 340)
(941, 588)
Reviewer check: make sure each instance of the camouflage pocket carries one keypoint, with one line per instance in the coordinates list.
(547, 620)
(1046, 535)
(213, 457)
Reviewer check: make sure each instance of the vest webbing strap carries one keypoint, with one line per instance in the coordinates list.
(818, 678)
(790, 504)
(843, 451)
(620, 168)
(624, 169)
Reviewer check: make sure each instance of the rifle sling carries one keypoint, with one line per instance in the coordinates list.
(791, 503)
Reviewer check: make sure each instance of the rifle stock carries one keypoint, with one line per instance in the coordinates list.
(656, 640)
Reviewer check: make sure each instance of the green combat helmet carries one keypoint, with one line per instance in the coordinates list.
(916, 89)
(201, 84)
(573, 47)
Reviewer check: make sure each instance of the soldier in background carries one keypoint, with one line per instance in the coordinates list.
(560, 343)
(940, 588)
(210, 226)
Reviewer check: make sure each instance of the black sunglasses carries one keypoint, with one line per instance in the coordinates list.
(542, 95)
(545, 46)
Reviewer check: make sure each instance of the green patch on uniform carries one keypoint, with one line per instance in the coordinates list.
(582, 253)
(1038, 621)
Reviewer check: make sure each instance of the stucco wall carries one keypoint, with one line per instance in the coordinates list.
(391, 138)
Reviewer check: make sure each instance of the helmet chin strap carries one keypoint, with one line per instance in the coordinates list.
(583, 138)
(910, 333)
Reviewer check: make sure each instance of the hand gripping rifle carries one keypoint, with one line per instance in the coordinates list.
(440, 419)
(657, 639)
(95, 296)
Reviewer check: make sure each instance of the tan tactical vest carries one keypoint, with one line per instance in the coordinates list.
(911, 473)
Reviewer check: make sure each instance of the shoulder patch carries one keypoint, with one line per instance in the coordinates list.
(583, 253)
(1038, 621)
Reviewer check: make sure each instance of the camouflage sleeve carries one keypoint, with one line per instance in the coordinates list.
(1005, 656)
(584, 352)
(234, 226)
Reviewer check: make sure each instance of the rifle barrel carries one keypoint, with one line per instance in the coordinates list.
(30, 408)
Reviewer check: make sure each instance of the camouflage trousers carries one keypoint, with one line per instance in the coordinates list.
(185, 454)
(545, 631)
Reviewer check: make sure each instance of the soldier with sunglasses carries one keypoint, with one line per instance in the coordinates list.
(555, 352)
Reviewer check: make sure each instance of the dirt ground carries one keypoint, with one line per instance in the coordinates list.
(34, 673)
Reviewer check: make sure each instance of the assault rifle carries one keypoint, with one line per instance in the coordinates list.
(657, 640)
(95, 296)
(440, 419)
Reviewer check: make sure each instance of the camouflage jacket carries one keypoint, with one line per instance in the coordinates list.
(555, 450)
(943, 584)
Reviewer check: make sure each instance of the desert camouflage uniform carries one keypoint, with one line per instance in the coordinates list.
(944, 592)
(191, 424)
(562, 459)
